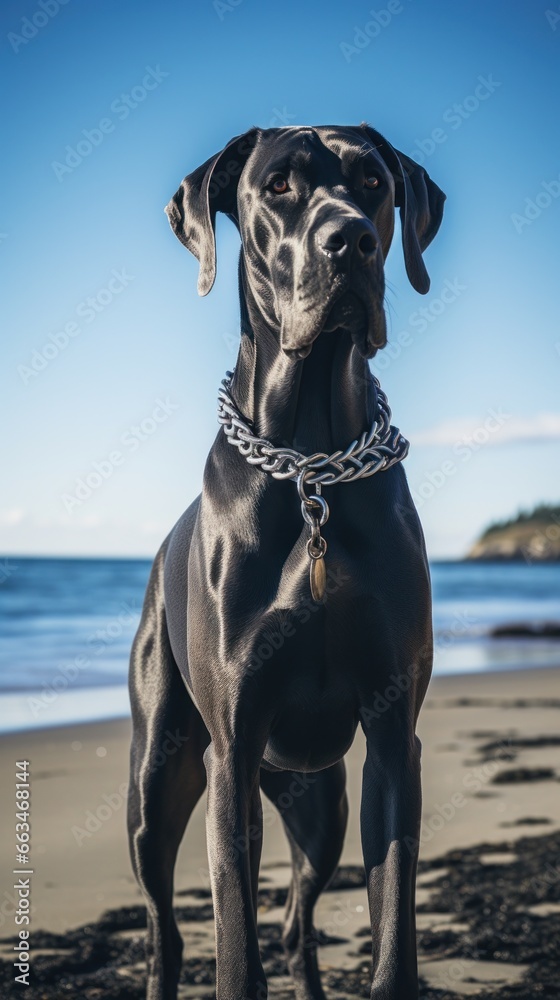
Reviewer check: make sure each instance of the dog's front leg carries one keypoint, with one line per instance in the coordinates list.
(390, 826)
(234, 830)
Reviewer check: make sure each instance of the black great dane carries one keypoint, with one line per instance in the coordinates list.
(315, 210)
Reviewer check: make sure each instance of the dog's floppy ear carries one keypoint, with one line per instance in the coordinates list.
(420, 202)
(210, 189)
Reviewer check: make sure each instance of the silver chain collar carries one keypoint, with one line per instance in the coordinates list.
(374, 451)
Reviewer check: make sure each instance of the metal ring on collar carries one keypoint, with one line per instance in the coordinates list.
(316, 549)
(310, 517)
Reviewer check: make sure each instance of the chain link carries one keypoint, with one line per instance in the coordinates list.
(374, 451)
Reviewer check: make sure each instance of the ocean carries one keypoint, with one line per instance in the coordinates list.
(66, 626)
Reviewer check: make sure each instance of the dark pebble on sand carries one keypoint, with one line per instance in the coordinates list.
(520, 775)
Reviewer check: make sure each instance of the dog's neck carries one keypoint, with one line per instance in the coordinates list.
(321, 403)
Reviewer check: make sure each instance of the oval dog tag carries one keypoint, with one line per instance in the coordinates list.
(318, 579)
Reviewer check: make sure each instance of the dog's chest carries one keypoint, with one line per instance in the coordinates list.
(314, 693)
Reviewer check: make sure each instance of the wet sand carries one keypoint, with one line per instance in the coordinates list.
(489, 879)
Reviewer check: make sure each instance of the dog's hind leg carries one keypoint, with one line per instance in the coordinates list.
(314, 810)
(167, 778)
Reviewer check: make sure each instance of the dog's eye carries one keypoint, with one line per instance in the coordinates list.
(371, 182)
(280, 185)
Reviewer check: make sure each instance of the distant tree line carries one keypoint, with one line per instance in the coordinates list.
(543, 513)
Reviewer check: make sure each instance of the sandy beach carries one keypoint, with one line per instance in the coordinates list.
(491, 763)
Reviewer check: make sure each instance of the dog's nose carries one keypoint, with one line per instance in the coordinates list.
(353, 237)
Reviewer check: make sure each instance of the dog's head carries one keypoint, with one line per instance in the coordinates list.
(315, 209)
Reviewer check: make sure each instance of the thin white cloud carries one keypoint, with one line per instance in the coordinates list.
(154, 528)
(502, 429)
(9, 518)
(90, 521)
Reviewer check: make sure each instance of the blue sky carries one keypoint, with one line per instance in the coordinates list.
(468, 88)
